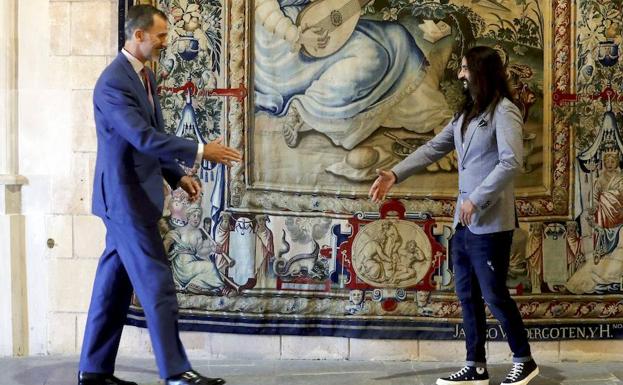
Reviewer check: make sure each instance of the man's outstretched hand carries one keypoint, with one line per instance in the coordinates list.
(219, 153)
(381, 185)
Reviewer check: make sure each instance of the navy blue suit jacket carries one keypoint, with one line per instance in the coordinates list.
(133, 151)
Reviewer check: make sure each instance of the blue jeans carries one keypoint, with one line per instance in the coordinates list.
(480, 268)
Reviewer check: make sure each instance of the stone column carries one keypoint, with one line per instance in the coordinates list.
(13, 305)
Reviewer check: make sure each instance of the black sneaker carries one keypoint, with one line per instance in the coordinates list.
(469, 375)
(521, 373)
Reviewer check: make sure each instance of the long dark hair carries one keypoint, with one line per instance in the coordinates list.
(488, 83)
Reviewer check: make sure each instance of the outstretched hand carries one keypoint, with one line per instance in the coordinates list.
(219, 153)
(381, 185)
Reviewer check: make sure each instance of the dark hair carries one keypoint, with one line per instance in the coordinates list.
(488, 83)
(141, 16)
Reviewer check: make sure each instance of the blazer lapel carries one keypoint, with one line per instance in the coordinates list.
(478, 123)
(457, 134)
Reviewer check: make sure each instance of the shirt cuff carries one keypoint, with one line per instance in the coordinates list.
(199, 156)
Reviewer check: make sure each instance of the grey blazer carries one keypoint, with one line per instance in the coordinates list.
(489, 157)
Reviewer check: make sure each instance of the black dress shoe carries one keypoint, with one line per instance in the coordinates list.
(85, 378)
(193, 378)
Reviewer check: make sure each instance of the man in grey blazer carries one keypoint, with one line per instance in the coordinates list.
(486, 133)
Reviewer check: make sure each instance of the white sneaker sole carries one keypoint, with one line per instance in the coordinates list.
(472, 382)
(525, 380)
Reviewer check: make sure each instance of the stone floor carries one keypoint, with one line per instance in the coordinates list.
(61, 371)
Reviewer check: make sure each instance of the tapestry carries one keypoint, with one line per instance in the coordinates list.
(318, 95)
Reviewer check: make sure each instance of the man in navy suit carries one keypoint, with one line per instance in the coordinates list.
(134, 154)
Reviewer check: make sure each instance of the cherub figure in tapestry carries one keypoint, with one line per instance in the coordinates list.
(189, 253)
(411, 261)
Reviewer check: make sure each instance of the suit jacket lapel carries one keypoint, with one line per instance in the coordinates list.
(157, 115)
(139, 88)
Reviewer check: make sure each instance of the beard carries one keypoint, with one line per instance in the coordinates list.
(151, 53)
(468, 90)
(466, 84)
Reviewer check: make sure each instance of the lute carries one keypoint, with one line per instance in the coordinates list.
(338, 17)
